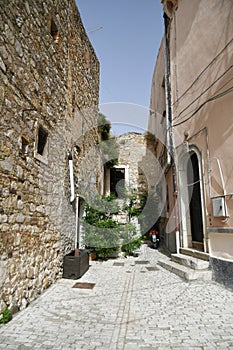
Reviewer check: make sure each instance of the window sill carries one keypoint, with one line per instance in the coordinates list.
(42, 159)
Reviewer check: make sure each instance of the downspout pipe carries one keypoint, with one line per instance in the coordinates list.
(72, 198)
(170, 144)
(167, 88)
(76, 241)
(71, 170)
(169, 131)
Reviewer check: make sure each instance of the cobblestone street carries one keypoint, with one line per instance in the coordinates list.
(135, 304)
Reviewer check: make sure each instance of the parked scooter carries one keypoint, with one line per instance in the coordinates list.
(154, 239)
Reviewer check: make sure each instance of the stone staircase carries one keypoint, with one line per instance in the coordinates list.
(189, 264)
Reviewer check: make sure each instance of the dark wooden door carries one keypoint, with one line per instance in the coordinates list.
(195, 206)
(117, 181)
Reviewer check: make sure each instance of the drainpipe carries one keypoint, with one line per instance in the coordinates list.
(76, 240)
(72, 198)
(169, 131)
(70, 162)
(167, 89)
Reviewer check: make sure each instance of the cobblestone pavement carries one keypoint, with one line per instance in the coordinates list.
(135, 306)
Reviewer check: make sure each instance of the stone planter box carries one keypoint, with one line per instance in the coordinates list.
(75, 266)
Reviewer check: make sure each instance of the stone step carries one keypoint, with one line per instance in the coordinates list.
(195, 253)
(186, 272)
(190, 261)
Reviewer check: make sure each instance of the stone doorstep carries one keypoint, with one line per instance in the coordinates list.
(186, 272)
(195, 253)
(190, 261)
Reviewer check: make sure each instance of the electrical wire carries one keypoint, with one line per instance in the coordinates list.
(194, 183)
(203, 92)
(193, 110)
(202, 105)
(203, 71)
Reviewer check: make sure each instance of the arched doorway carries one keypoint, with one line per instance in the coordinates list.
(191, 200)
(195, 202)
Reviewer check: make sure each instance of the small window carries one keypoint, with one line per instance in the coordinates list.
(42, 140)
(54, 31)
(24, 145)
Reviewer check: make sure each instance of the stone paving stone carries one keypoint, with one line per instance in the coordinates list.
(150, 310)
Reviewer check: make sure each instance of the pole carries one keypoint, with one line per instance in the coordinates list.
(170, 149)
(76, 238)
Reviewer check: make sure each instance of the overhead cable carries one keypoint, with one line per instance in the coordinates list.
(202, 105)
(203, 71)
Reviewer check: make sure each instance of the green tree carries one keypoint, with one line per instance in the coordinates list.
(101, 231)
(108, 144)
(104, 127)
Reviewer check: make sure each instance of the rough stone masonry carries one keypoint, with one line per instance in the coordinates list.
(49, 85)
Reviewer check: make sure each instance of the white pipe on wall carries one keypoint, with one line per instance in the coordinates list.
(71, 181)
(70, 162)
(76, 241)
(221, 175)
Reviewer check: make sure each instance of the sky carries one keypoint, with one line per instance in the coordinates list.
(126, 36)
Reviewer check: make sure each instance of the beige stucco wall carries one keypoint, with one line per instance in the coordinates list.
(201, 56)
(221, 245)
(201, 70)
(156, 122)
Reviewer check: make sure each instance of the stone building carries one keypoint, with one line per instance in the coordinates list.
(191, 104)
(126, 172)
(134, 171)
(49, 85)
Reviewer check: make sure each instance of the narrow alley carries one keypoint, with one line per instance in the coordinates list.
(134, 304)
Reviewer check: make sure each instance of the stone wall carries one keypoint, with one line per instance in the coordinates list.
(136, 151)
(136, 155)
(49, 84)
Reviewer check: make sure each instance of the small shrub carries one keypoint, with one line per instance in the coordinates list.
(100, 231)
(130, 246)
(6, 316)
(131, 239)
